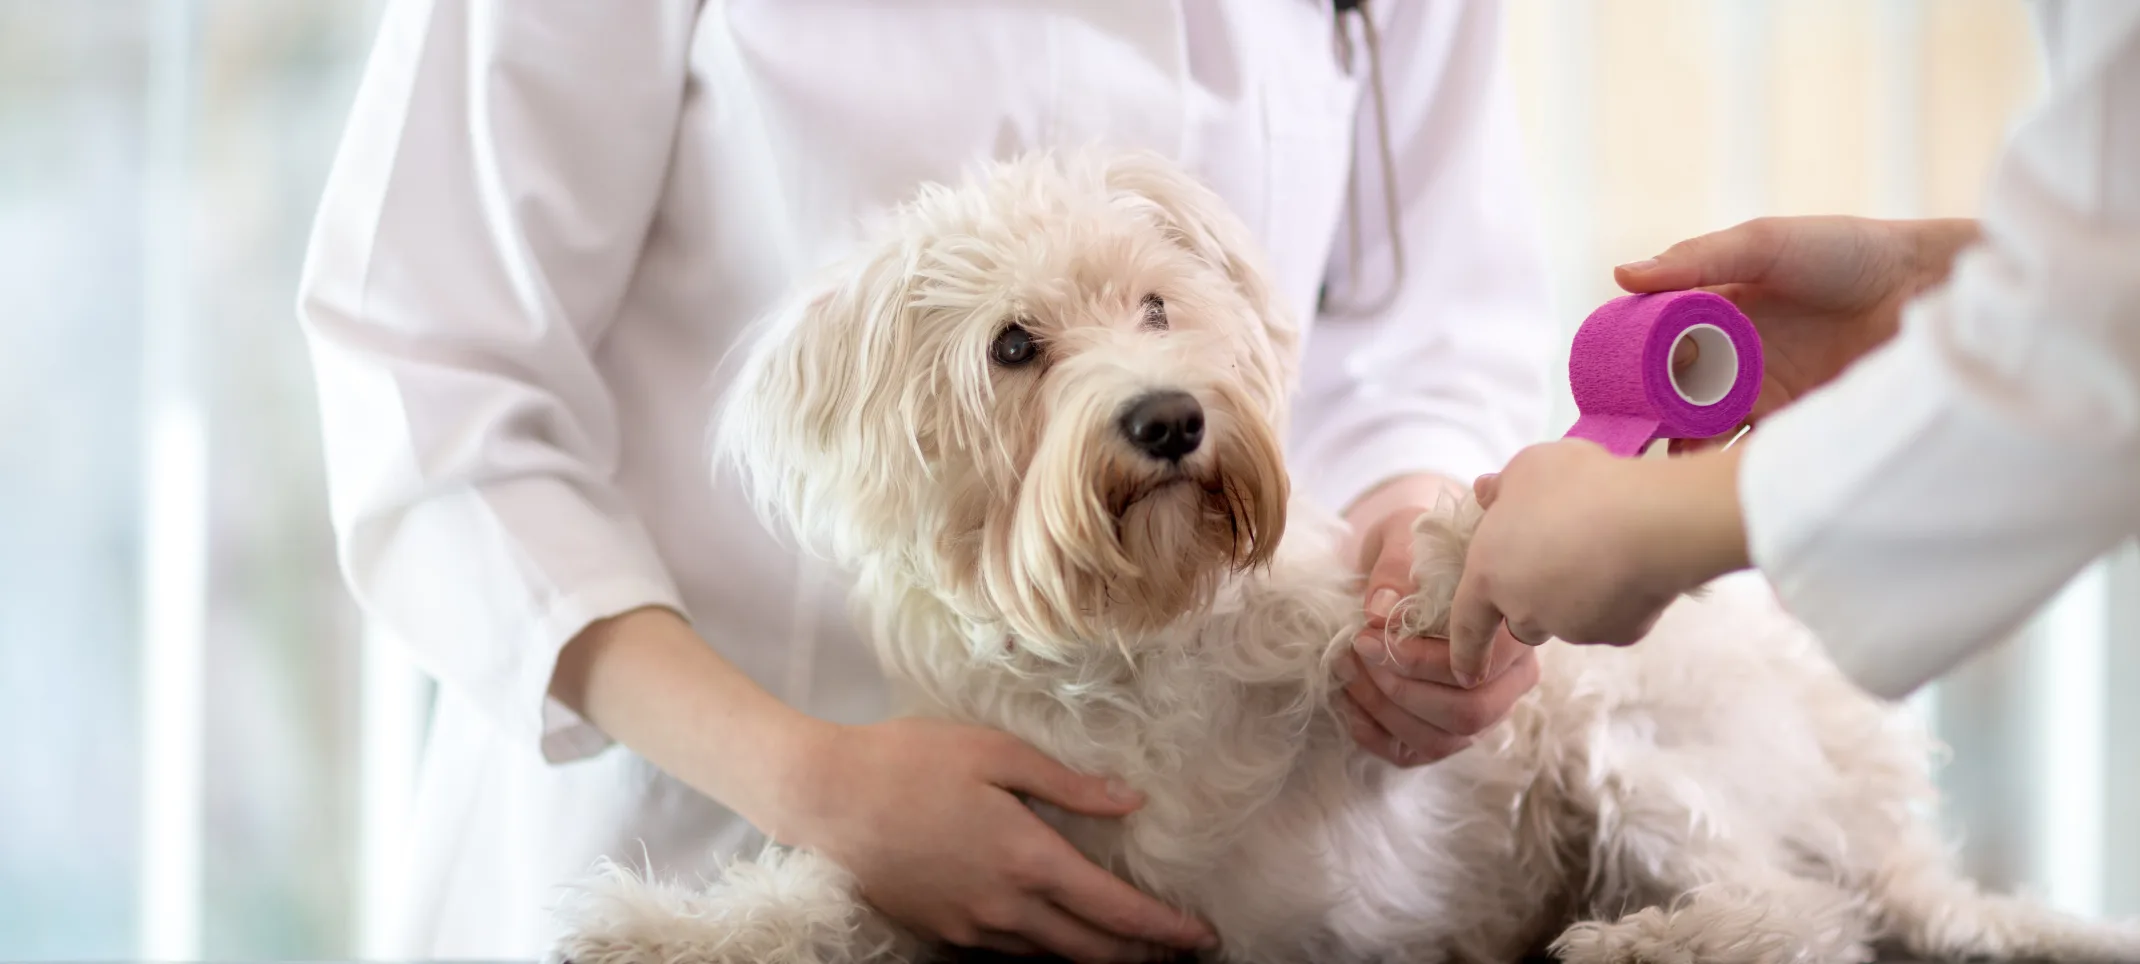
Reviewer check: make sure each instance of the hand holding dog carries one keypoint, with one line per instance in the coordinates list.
(1403, 701)
(926, 815)
(1579, 545)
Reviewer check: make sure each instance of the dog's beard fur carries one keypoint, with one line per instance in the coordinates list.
(872, 420)
(1102, 543)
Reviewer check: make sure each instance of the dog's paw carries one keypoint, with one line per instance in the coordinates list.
(1440, 537)
(1723, 935)
(1596, 942)
(786, 907)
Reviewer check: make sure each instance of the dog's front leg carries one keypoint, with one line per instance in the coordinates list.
(1440, 538)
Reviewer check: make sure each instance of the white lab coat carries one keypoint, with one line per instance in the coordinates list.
(549, 221)
(1924, 504)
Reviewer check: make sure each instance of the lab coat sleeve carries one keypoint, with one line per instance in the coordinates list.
(1928, 501)
(482, 219)
(1452, 376)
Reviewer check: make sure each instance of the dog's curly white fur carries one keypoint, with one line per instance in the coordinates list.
(1718, 793)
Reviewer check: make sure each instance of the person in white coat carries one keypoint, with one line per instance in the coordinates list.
(1931, 473)
(549, 223)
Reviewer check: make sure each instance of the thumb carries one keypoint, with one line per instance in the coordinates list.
(1472, 622)
(1388, 581)
(1033, 773)
(1735, 255)
(1486, 489)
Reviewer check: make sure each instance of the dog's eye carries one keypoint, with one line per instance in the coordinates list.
(1014, 346)
(1155, 312)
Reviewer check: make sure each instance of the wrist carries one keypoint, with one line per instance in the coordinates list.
(1419, 489)
(795, 778)
(648, 680)
(1698, 516)
(1417, 492)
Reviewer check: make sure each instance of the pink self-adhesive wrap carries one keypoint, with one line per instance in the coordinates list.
(1620, 369)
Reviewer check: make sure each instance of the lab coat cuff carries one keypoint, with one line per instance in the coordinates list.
(1337, 475)
(1782, 514)
(1813, 520)
(565, 735)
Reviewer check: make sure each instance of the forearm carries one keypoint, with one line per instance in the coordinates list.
(1696, 523)
(1993, 444)
(649, 682)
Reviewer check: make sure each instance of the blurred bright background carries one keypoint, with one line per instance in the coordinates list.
(204, 759)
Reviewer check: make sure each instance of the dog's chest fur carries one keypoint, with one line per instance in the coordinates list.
(1259, 813)
(1262, 817)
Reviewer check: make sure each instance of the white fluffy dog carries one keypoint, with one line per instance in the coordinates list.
(1039, 418)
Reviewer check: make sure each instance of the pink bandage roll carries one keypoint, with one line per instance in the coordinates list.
(1620, 368)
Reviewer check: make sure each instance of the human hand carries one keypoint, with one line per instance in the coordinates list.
(1586, 547)
(1403, 701)
(1822, 291)
(926, 815)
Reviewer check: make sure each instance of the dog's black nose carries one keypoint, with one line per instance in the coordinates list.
(1164, 425)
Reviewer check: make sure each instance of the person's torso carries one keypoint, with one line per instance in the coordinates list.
(803, 118)
(806, 117)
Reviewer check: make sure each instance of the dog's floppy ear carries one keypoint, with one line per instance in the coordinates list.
(1200, 221)
(813, 419)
